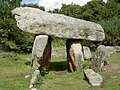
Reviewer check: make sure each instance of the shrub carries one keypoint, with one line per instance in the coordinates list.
(112, 31)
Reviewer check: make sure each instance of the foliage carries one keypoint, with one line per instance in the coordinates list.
(112, 31)
(8, 28)
(72, 10)
(58, 43)
(34, 6)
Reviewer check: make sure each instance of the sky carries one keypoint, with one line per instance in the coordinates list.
(55, 4)
(30, 1)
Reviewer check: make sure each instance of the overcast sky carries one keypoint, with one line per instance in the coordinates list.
(30, 1)
(54, 4)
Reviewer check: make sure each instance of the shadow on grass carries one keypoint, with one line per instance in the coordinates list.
(55, 66)
(58, 66)
(28, 63)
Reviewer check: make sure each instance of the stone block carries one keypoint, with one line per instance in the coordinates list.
(87, 52)
(41, 52)
(74, 54)
(100, 58)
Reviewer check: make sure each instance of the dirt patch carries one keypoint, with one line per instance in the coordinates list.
(24, 74)
(60, 72)
(112, 67)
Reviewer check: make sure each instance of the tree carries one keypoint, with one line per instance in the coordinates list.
(112, 31)
(10, 34)
(7, 23)
(112, 8)
(72, 10)
(93, 10)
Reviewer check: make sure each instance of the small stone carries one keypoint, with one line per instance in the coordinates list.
(27, 76)
(33, 89)
(30, 86)
(94, 78)
(35, 76)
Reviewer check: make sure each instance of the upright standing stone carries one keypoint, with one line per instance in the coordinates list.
(41, 53)
(87, 52)
(100, 58)
(74, 54)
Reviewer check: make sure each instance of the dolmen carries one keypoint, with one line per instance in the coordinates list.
(46, 25)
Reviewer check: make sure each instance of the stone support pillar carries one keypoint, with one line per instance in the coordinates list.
(41, 55)
(74, 54)
(41, 52)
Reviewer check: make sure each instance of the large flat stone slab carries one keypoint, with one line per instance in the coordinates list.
(39, 22)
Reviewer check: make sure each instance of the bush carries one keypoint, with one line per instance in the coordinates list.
(112, 31)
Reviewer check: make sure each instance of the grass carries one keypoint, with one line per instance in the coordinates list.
(115, 58)
(13, 72)
(75, 80)
(14, 67)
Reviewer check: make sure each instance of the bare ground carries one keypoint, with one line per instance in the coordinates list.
(112, 67)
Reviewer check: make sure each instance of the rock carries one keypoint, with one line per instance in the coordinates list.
(100, 58)
(74, 54)
(41, 53)
(94, 78)
(33, 89)
(58, 53)
(27, 76)
(39, 22)
(113, 49)
(35, 76)
(117, 48)
(87, 52)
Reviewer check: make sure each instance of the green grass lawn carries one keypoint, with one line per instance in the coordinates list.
(13, 72)
(14, 67)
